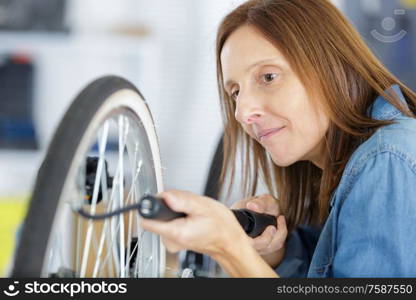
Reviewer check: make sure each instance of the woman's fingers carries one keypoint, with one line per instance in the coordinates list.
(186, 202)
(263, 241)
(281, 233)
(161, 227)
(179, 201)
(264, 204)
(176, 200)
(256, 206)
(270, 241)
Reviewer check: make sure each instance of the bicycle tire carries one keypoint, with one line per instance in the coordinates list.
(59, 163)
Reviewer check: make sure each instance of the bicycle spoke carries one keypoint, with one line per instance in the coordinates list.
(109, 254)
(122, 128)
(129, 234)
(102, 146)
(114, 227)
(104, 229)
(132, 197)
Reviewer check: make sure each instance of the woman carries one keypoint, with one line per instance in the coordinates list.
(332, 134)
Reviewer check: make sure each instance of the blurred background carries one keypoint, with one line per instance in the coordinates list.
(51, 49)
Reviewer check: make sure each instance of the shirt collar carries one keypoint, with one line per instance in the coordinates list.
(381, 109)
(384, 110)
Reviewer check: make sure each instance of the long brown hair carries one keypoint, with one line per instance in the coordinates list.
(333, 63)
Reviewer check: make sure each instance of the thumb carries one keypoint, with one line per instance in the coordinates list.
(255, 206)
(182, 201)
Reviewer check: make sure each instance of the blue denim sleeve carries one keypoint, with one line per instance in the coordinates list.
(300, 245)
(376, 223)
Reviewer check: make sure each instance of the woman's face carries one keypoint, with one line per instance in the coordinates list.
(272, 105)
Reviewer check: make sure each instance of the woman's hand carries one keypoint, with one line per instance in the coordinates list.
(271, 243)
(210, 227)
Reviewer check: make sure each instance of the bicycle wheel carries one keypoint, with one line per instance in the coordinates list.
(103, 156)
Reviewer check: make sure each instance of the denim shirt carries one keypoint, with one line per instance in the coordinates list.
(370, 230)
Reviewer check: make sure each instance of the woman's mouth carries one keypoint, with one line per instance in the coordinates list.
(269, 133)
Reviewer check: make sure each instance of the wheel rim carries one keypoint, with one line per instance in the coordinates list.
(116, 247)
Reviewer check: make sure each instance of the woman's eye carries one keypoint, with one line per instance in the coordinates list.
(268, 77)
(234, 95)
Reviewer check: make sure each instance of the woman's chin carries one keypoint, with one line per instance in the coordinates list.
(282, 161)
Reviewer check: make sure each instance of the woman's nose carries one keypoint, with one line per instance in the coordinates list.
(252, 118)
(247, 113)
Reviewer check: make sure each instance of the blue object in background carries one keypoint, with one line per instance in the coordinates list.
(17, 130)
